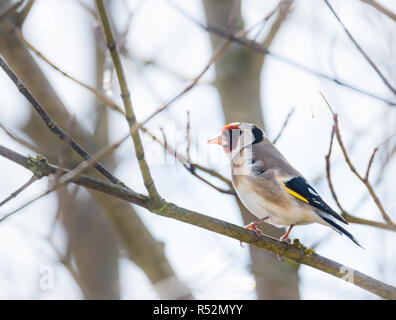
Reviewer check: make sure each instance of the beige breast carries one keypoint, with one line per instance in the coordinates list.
(272, 201)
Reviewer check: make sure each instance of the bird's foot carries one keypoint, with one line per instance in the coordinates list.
(286, 239)
(253, 226)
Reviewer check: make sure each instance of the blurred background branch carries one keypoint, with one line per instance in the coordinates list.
(295, 251)
(238, 83)
(95, 248)
(253, 61)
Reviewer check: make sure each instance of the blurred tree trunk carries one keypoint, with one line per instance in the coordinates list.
(92, 241)
(238, 73)
(140, 245)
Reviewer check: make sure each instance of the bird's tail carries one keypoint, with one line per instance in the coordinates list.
(340, 230)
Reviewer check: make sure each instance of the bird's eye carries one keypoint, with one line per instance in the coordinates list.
(258, 135)
(230, 139)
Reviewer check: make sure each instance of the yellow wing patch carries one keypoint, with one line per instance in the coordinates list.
(295, 194)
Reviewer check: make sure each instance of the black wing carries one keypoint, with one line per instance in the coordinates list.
(300, 189)
(341, 230)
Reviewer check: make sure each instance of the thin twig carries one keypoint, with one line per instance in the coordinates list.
(100, 96)
(366, 177)
(190, 166)
(213, 58)
(19, 190)
(20, 140)
(65, 261)
(234, 15)
(253, 45)
(188, 137)
(25, 12)
(348, 217)
(170, 210)
(372, 64)
(126, 99)
(381, 8)
(365, 182)
(11, 10)
(264, 20)
(284, 125)
(192, 170)
(353, 169)
(218, 52)
(63, 153)
(92, 160)
(51, 123)
(374, 153)
(64, 178)
(25, 205)
(328, 173)
(215, 55)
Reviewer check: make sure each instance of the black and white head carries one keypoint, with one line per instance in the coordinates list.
(236, 136)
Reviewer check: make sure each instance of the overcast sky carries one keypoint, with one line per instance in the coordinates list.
(215, 266)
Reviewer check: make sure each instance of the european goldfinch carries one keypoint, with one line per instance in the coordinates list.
(269, 186)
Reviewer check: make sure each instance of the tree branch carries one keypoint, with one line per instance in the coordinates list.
(294, 252)
(18, 191)
(381, 8)
(11, 10)
(253, 45)
(191, 167)
(336, 132)
(100, 96)
(51, 123)
(364, 54)
(126, 98)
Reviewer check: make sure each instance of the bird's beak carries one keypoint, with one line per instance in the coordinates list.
(217, 140)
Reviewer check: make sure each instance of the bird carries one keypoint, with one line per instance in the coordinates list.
(269, 186)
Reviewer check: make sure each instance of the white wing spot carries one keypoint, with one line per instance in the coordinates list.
(313, 191)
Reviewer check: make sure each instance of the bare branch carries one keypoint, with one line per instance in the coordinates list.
(191, 167)
(51, 123)
(100, 96)
(370, 164)
(381, 8)
(265, 51)
(264, 21)
(374, 153)
(188, 137)
(328, 174)
(234, 15)
(372, 64)
(20, 140)
(284, 125)
(353, 169)
(218, 52)
(19, 190)
(294, 252)
(11, 10)
(350, 218)
(129, 112)
(25, 12)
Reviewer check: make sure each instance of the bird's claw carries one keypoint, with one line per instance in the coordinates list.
(253, 227)
(288, 241)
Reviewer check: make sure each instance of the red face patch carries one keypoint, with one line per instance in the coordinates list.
(230, 136)
(231, 126)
